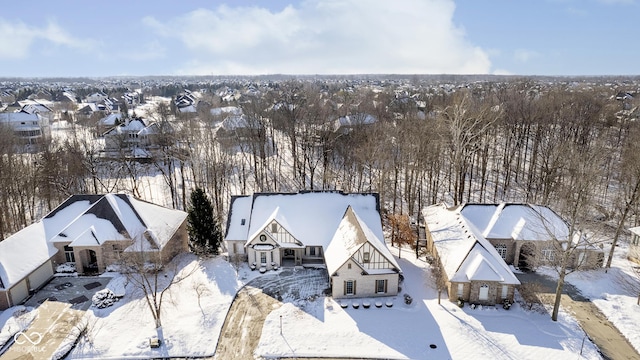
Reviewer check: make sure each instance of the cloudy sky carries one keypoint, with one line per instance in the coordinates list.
(247, 37)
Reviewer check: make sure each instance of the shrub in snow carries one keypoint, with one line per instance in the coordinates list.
(113, 268)
(366, 304)
(378, 304)
(66, 268)
(389, 303)
(103, 298)
(355, 304)
(408, 299)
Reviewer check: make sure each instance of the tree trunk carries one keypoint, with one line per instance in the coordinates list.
(559, 287)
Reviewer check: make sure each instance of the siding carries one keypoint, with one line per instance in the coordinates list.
(365, 284)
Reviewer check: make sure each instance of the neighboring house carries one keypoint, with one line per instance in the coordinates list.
(135, 138)
(96, 97)
(109, 122)
(348, 123)
(473, 271)
(239, 128)
(333, 230)
(634, 245)
(29, 128)
(92, 231)
(527, 235)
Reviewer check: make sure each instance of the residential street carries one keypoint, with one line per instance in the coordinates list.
(600, 330)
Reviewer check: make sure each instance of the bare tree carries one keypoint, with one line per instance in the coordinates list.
(629, 184)
(153, 276)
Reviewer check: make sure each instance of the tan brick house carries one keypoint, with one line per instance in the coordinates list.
(92, 232)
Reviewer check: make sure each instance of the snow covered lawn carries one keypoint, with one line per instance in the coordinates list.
(614, 292)
(312, 325)
(192, 316)
(324, 328)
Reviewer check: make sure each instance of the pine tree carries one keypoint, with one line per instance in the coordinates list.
(204, 230)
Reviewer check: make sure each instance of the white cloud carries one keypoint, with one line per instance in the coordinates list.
(326, 36)
(523, 55)
(17, 38)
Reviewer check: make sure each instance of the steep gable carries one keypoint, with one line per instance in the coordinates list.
(354, 240)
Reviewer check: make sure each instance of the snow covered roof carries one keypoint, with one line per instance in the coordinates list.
(351, 234)
(22, 253)
(516, 221)
(311, 217)
(635, 230)
(111, 119)
(232, 110)
(90, 220)
(238, 219)
(464, 252)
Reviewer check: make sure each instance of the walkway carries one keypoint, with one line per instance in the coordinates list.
(613, 345)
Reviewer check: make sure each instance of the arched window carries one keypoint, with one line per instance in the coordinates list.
(484, 292)
(502, 250)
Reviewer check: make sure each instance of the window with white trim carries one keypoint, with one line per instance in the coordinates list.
(381, 286)
(263, 257)
(460, 289)
(274, 228)
(350, 287)
(502, 250)
(548, 254)
(365, 257)
(68, 254)
(505, 291)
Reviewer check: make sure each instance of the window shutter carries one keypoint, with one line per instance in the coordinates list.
(344, 288)
(385, 286)
(354, 287)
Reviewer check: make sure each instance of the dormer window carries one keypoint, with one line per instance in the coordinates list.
(243, 221)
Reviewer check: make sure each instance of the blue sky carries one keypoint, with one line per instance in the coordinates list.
(247, 37)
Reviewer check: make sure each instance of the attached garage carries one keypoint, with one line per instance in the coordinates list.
(19, 292)
(40, 276)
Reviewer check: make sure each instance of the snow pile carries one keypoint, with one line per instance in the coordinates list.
(103, 298)
(70, 340)
(14, 320)
(118, 285)
(66, 268)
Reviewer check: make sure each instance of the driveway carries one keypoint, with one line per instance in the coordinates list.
(60, 304)
(242, 327)
(612, 344)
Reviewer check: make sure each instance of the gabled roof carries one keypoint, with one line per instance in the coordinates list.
(94, 219)
(516, 221)
(87, 220)
(464, 252)
(23, 252)
(311, 217)
(351, 234)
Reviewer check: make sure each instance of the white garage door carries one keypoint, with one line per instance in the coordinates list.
(19, 292)
(41, 275)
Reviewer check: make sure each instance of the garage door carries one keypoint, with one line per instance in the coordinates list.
(40, 276)
(19, 292)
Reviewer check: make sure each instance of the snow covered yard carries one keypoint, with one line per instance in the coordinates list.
(192, 316)
(614, 292)
(322, 327)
